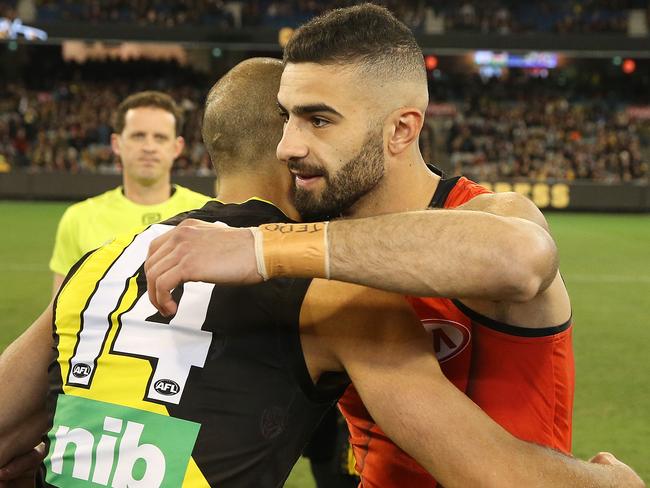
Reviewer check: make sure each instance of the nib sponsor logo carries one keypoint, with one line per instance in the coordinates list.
(95, 443)
(449, 338)
(129, 453)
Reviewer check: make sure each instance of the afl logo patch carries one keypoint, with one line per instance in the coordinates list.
(81, 370)
(449, 338)
(166, 387)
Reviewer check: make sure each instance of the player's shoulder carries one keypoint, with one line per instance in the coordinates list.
(249, 213)
(350, 321)
(463, 190)
(452, 191)
(330, 300)
(508, 204)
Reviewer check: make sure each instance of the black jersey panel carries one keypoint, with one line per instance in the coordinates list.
(251, 398)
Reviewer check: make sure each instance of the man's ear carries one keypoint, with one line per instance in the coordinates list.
(116, 143)
(405, 125)
(179, 145)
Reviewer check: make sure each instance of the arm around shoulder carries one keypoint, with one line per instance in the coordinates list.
(495, 248)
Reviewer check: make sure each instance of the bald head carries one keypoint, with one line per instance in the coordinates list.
(241, 126)
(368, 40)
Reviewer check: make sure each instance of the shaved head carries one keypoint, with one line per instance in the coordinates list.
(369, 40)
(241, 125)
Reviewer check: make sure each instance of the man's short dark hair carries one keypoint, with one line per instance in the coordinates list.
(366, 35)
(153, 99)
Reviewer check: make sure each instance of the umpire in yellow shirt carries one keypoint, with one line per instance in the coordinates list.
(146, 138)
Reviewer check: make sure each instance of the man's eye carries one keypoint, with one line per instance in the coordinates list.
(284, 115)
(319, 122)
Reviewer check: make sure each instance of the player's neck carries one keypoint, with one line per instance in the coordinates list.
(237, 188)
(153, 194)
(408, 185)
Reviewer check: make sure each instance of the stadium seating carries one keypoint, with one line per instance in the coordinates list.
(519, 127)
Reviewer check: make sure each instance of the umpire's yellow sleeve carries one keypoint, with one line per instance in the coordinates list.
(66, 246)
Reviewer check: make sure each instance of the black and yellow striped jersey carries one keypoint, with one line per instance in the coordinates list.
(217, 395)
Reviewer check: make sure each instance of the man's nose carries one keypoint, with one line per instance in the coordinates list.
(293, 144)
(149, 144)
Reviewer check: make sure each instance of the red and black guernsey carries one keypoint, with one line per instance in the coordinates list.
(522, 377)
(218, 395)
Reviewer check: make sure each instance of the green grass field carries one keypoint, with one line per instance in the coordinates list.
(605, 261)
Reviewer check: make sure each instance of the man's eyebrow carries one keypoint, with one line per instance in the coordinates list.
(310, 109)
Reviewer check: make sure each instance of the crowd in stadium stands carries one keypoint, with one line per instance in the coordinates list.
(58, 119)
(546, 139)
(67, 126)
(541, 129)
(500, 16)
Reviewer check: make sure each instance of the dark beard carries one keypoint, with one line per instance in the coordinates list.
(354, 180)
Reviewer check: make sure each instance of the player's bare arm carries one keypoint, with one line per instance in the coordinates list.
(348, 327)
(499, 255)
(496, 250)
(23, 381)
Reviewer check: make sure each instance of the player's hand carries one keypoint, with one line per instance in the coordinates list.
(198, 251)
(20, 470)
(626, 477)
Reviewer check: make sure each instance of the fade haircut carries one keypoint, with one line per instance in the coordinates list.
(150, 99)
(241, 123)
(367, 36)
